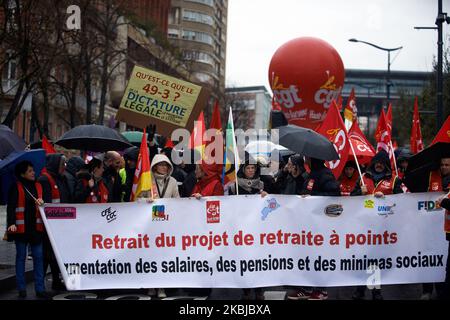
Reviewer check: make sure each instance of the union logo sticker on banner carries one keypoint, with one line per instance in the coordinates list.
(155, 98)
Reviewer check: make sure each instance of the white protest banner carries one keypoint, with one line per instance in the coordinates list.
(249, 241)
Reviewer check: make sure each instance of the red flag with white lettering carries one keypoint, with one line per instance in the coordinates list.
(333, 129)
(384, 139)
(363, 149)
(416, 133)
(444, 133)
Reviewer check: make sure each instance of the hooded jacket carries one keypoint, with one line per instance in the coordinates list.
(210, 184)
(74, 165)
(321, 181)
(166, 185)
(370, 173)
(52, 162)
(245, 185)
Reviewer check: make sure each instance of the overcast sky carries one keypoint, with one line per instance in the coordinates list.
(257, 28)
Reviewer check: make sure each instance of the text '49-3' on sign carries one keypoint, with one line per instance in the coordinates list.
(156, 98)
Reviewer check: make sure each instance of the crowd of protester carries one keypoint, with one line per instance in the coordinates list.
(108, 177)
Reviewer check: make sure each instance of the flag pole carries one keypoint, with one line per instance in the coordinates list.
(356, 160)
(393, 155)
(236, 156)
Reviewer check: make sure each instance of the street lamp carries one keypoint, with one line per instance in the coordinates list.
(389, 50)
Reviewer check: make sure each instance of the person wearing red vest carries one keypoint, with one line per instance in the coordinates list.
(208, 181)
(25, 226)
(55, 190)
(378, 181)
(439, 181)
(348, 178)
(378, 178)
(90, 187)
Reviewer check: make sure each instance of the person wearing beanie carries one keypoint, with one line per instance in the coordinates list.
(73, 166)
(126, 174)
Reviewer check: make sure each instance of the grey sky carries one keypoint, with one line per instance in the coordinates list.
(257, 28)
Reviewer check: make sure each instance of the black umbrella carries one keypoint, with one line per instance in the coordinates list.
(307, 142)
(93, 138)
(420, 165)
(9, 142)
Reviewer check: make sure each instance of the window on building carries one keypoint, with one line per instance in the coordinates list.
(174, 16)
(206, 2)
(9, 75)
(195, 16)
(204, 77)
(197, 36)
(198, 56)
(173, 33)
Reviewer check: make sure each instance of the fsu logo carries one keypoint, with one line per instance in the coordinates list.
(213, 211)
(159, 214)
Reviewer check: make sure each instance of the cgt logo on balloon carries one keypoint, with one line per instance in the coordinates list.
(306, 74)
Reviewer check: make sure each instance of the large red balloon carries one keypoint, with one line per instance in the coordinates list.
(305, 75)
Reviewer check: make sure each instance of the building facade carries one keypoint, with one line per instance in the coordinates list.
(251, 107)
(371, 92)
(199, 29)
(152, 11)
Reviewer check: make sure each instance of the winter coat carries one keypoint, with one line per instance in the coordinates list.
(112, 180)
(82, 189)
(52, 168)
(370, 173)
(245, 185)
(73, 166)
(320, 181)
(166, 186)
(31, 235)
(210, 184)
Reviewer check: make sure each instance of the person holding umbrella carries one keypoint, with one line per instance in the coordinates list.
(90, 187)
(126, 174)
(25, 226)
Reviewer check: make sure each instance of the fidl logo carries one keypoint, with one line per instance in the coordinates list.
(158, 213)
(428, 206)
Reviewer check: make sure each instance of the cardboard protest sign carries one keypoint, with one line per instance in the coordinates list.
(155, 98)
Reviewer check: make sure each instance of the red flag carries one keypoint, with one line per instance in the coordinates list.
(47, 146)
(351, 111)
(142, 180)
(339, 103)
(363, 149)
(416, 133)
(333, 129)
(169, 144)
(384, 139)
(216, 122)
(196, 139)
(443, 134)
(389, 118)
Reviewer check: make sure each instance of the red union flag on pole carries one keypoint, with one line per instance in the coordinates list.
(350, 111)
(363, 149)
(443, 134)
(416, 133)
(333, 129)
(384, 139)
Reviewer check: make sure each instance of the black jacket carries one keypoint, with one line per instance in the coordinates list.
(52, 166)
(73, 166)
(82, 192)
(31, 235)
(293, 185)
(325, 184)
(111, 179)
